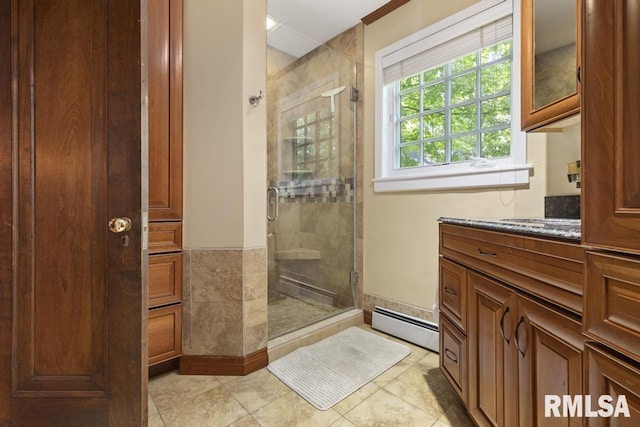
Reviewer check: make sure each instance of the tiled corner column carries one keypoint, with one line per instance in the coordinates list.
(225, 301)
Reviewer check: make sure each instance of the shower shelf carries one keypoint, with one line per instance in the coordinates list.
(297, 254)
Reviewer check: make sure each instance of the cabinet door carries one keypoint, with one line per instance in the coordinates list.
(605, 374)
(550, 348)
(492, 361)
(549, 60)
(610, 131)
(165, 109)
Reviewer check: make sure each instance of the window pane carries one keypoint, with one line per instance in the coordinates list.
(433, 125)
(495, 52)
(410, 130)
(323, 150)
(433, 74)
(410, 104)
(463, 88)
(434, 96)
(496, 144)
(325, 129)
(496, 78)
(435, 152)
(410, 156)
(463, 148)
(495, 112)
(410, 82)
(463, 63)
(463, 119)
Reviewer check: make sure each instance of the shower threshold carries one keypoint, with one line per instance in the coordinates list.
(285, 344)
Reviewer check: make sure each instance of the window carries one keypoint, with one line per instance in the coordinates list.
(447, 114)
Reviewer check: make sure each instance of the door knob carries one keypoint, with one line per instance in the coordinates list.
(119, 225)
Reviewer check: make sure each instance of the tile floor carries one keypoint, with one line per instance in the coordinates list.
(411, 393)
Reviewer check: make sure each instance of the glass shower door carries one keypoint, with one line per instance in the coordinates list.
(311, 190)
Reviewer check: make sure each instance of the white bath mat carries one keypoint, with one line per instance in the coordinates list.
(330, 370)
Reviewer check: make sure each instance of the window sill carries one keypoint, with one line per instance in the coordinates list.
(500, 176)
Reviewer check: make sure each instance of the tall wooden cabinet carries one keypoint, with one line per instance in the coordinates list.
(165, 179)
(611, 199)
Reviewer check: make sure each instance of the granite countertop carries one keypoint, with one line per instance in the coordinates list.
(559, 228)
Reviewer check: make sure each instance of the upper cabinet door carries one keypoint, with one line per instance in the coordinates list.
(550, 61)
(165, 109)
(610, 125)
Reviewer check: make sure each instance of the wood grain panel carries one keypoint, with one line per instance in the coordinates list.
(165, 279)
(224, 365)
(61, 280)
(6, 220)
(549, 269)
(165, 237)
(453, 292)
(551, 363)
(607, 374)
(532, 117)
(610, 132)
(453, 357)
(165, 109)
(612, 298)
(492, 360)
(165, 333)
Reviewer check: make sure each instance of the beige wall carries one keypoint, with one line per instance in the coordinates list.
(401, 229)
(224, 137)
(563, 147)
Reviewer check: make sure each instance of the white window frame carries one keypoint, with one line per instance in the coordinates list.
(511, 171)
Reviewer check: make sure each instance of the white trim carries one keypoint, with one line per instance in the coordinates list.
(512, 176)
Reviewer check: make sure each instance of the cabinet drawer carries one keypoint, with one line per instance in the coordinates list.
(453, 292)
(612, 299)
(453, 357)
(165, 279)
(165, 237)
(549, 269)
(165, 333)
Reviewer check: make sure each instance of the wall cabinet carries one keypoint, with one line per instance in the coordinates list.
(519, 347)
(164, 19)
(550, 62)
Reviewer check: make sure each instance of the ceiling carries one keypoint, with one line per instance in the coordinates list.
(306, 24)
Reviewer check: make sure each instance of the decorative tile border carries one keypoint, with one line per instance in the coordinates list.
(336, 190)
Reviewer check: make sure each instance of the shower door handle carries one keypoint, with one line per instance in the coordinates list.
(273, 198)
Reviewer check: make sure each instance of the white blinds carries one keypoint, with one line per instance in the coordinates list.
(441, 53)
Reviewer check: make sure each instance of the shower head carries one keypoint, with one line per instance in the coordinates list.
(332, 93)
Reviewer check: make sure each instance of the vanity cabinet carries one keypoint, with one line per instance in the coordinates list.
(521, 330)
(550, 61)
(164, 35)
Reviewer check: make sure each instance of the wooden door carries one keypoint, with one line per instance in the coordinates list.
(610, 131)
(72, 334)
(492, 362)
(550, 348)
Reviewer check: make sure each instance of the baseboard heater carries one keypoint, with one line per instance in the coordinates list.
(409, 328)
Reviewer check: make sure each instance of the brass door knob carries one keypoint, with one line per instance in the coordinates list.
(120, 225)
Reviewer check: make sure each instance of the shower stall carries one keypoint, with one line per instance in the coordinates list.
(311, 190)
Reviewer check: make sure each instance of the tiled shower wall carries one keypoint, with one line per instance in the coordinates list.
(316, 215)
